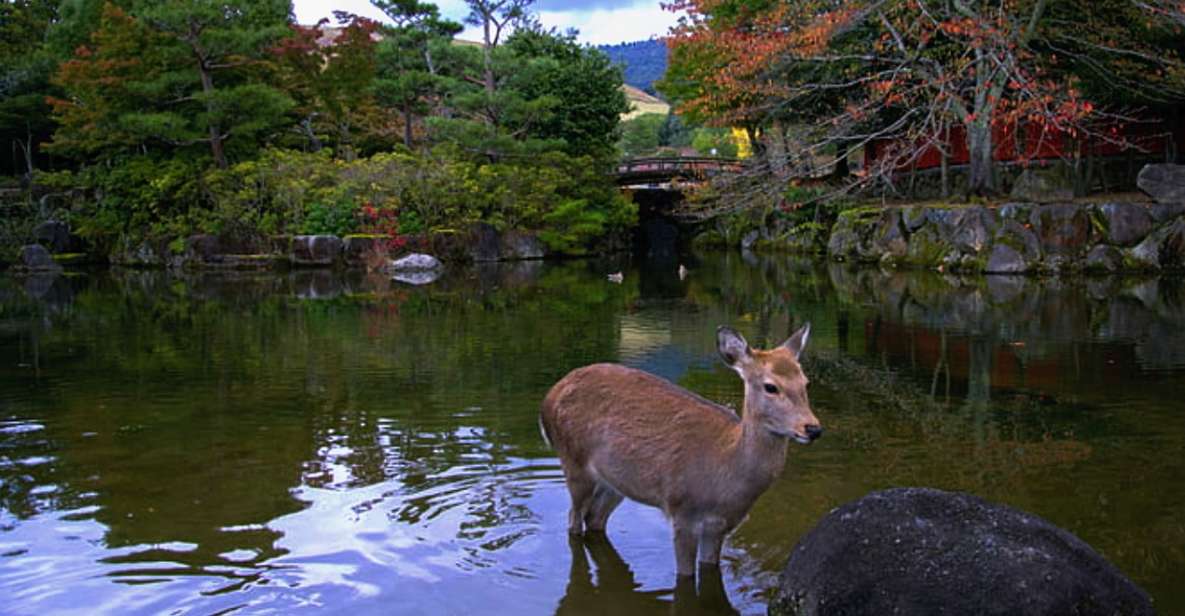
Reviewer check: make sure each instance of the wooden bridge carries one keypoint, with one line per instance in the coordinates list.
(672, 174)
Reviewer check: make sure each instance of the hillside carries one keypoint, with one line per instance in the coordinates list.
(644, 61)
(642, 103)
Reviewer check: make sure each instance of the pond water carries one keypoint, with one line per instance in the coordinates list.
(343, 443)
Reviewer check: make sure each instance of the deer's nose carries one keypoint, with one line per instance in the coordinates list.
(814, 431)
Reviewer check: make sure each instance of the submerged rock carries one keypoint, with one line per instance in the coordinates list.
(925, 551)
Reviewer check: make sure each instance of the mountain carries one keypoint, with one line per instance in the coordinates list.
(644, 61)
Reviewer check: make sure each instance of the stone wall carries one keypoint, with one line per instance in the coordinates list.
(1015, 238)
(482, 243)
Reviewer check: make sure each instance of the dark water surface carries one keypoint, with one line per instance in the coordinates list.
(310, 442)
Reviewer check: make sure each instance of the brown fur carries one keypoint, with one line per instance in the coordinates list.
(621, 432)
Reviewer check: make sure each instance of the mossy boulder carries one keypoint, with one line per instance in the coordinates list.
(928, 248)
(1124, 224)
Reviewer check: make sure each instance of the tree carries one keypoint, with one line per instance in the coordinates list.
(904, 72)
(640, 135)
(25, 69)
(495, 17)
(407, 71)
(583, 81)
(223, 40)
(329, 72)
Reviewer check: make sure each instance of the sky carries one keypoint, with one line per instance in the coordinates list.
(599, 21)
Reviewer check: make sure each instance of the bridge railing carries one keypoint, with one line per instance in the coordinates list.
(677, 166)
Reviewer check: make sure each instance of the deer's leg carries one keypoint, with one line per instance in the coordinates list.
(685, 544)
(711, 538)
(605, 500)
(581, 487)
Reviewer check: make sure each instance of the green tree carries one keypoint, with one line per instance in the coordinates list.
(215, 55)
(714, 142)
(25, 69)
(584, 83)
(408, 73)
(640, 136)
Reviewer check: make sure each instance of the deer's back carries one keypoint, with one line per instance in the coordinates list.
(618, 415)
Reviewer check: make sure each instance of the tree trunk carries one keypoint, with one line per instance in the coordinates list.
(487, 50)
(980, 180)
(27, 150)
(776, 150)
(215, 131)
(407, 126)
(945, 151)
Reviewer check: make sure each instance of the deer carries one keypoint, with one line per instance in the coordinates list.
(623, 433)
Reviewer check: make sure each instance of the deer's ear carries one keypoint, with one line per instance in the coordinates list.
(732, 346)
(797, 341)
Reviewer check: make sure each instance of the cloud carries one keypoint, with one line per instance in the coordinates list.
(578, 6)
(599, 21)
(641, 21)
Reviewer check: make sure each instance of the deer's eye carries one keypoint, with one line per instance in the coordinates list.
(771, 389)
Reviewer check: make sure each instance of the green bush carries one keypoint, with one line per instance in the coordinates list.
(289, 192)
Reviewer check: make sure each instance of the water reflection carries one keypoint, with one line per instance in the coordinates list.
(610, 587)
(318, 440)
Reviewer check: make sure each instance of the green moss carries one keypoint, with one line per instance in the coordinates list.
(71, 258)
(1099, 221)
(364, 236)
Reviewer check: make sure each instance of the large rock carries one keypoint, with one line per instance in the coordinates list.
(913, 218)
(924, 551)
(971, 228)
(928, 248)
(1064, 229)
(1164, 212)
(1126, 223)
(1044, 185)
(314, 250)
(750, 239)
(1104, 259)
(55, 236)
(362, 249)
(844, 240)
(1146, 254)
(1172, 248)
(521, 246)
(35, 258)
(1006, 260)
(886, 239)
(486, 243)
(1163, 182)
(203, 248)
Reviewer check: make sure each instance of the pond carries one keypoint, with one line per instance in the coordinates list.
(325, 442)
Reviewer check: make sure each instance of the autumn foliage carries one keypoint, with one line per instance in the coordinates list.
(823, 79)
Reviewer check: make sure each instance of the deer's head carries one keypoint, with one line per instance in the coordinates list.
(775, 385)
